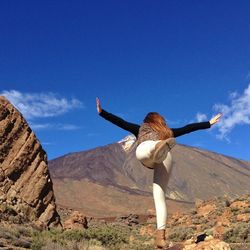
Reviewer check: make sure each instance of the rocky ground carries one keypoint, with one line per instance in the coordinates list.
(219, 224)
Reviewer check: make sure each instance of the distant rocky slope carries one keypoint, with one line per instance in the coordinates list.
(26, 189)
(109, 180)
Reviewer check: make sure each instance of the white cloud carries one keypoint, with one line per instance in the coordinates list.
(58, 126)
(35, 126)
(68, 127)
(36, 105)
(236, 113)
(201, 117)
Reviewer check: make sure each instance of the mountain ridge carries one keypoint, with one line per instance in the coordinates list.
(197, 174)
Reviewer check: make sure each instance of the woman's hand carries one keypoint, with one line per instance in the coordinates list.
(98, 105)
(215, 119)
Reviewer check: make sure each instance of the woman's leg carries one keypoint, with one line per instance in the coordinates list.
(151, 152)
(162, 173)
(144, 153)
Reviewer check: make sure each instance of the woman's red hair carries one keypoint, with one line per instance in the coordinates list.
(158, 124)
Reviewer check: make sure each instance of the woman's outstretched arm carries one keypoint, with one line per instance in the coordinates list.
(131, 127)
(196, 126)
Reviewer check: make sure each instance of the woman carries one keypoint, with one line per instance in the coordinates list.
(154, 142)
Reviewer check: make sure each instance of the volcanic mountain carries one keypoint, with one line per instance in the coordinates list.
(109, 181)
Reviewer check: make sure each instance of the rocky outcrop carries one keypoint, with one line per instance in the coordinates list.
(76, 221)
(208, 244)
(130, 220)
(25, 183)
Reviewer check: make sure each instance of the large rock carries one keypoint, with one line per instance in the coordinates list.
(25, 183)
(209, 244)
(76, 221)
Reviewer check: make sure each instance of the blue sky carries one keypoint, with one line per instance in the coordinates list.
(187, 60)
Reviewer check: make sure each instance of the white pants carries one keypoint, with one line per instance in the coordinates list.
(162, 173)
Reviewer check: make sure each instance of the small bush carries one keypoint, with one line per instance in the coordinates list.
(238, 234)
(73, 235)
(37, 243)
(108, 235)
(140, 246)
(240, 247)
(234, 210)
(181, 233)
(58, 237)
(246, 210)
(209, 231)
(198, 220)
(24, 231)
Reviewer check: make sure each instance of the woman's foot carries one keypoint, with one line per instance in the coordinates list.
(162, 148)
(160, 239)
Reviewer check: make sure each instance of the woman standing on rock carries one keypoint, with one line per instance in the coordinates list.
(154, 142)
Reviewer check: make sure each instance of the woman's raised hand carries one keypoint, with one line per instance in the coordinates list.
(215, 119)
(98, 105)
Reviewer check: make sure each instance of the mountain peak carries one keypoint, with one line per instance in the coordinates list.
(127, 142)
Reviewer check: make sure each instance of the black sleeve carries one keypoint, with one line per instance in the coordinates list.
(131, 127)
(190, 128)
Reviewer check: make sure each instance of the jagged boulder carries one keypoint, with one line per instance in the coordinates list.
(76, 221)
(208, 244)
(130, 220)
(25, 183)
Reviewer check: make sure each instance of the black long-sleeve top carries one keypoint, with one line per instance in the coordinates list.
(134, 128)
